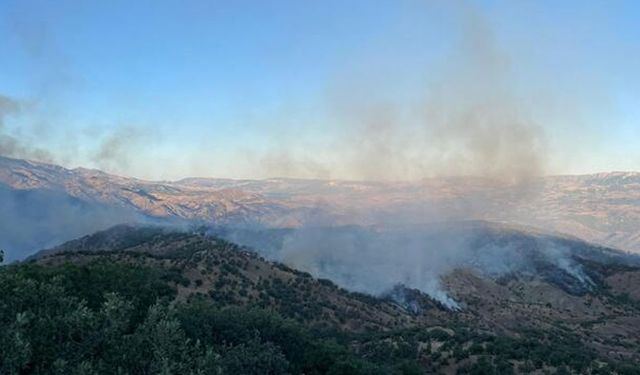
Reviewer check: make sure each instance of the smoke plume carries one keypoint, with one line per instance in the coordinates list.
(470, 119)
(115, 152)
(12, 145)
(479, 125)
(376, 261)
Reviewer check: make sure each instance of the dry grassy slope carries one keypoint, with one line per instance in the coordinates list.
(601, 319)
(626, 283)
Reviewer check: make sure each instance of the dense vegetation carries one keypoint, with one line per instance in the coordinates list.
(101, 315)
(109, 318)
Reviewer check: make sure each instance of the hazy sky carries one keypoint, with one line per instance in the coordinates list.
(335, 89)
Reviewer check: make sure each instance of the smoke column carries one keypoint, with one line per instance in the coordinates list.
(470, 123)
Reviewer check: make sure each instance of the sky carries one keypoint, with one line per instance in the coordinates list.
(369, 89)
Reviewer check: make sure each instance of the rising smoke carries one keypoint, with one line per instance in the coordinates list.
(377, 261)
(37, 130)
(11, 144)
(115, 150)
(471, 122)
(480, 127)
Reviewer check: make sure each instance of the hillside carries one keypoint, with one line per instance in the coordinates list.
(229, 273)
(518, 322)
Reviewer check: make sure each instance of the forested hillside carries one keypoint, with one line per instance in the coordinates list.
(162, 302)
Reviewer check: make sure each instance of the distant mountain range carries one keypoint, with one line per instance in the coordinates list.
(39, 202)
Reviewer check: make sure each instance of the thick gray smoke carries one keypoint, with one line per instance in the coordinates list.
(375, 261)
(372, 262)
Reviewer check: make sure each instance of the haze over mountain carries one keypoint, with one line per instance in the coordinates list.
(601, 208)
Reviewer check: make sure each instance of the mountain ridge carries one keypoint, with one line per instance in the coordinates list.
(599, 208)
(5, 160)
